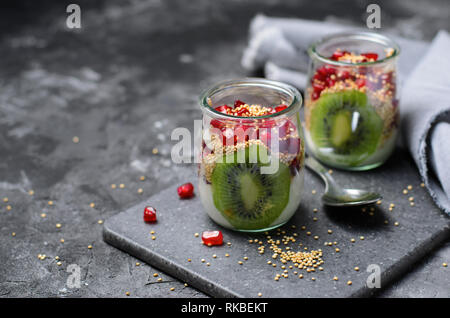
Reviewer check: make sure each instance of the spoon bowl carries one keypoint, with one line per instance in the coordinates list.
(335, 195)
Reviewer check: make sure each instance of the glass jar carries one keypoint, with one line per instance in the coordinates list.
(251, 170)
(351, 105)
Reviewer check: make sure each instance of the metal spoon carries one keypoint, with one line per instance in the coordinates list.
(335, 195)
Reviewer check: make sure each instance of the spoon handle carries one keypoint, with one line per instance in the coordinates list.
(315, 166)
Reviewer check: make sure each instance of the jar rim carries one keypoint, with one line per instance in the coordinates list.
(374, 37)
(293, 107)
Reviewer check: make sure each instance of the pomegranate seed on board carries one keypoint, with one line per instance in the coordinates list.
(211, 238)
(149, 214)
(186, 190)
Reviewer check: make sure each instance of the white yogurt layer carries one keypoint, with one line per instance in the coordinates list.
(378, 157)
(295, 193)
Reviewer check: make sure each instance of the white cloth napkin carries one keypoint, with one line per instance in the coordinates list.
(279, 45)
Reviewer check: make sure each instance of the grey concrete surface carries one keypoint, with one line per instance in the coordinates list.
(121, 84)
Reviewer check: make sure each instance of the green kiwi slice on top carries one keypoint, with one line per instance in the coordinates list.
(344, 124)
(248, 199)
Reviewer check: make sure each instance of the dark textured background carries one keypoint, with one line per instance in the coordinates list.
(120, 85)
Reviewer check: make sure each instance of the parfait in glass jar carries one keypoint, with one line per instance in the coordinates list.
(351, 105)
(251, 168)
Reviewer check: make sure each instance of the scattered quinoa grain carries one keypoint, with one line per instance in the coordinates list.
(335, 278)
(92, 205)
(142, 178)
(140, 191)
(356, 268)
(31, 192)
(58, 225)
(422, 185)
(409, 187)
(89, 246)
(127, 293)
(113, 186)
(122, 186)
(259, 294)
(349, 282)
(444, 264)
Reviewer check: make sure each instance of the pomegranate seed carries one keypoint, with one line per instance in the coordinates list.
(149, 214)
(319, 77)
(217, 123)
(315, 95)
(238, 103)
(223, 109)
(186, 190)
(326, 70)
(280, 108)
(330, 82)
(360, 82)
(344, 75)
(318, 87)
(287, 128)
(322, 71)
(370, 56)
(228, 137)
(336, 55)
(242, 112)
(211, 238)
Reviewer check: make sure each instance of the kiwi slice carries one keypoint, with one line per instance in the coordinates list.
(248, 199)
(344, 124)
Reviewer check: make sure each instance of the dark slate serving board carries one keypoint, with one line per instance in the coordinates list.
(393, 248)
